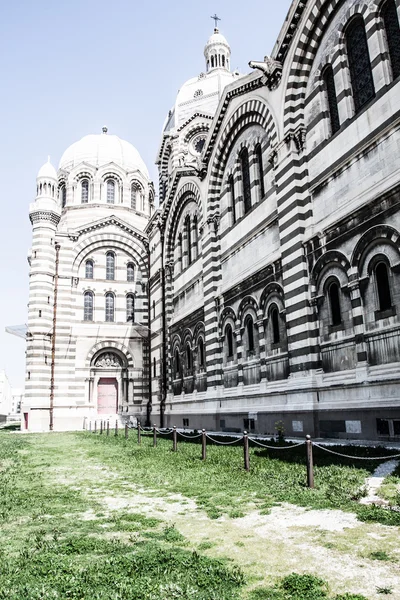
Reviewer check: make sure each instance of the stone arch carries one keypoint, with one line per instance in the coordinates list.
(120, 349)
(188, 192)
(378, 234)
(251, 112)
(308, 40)
(227, 316)
(248, 302)
(272, 290)
(330, 258)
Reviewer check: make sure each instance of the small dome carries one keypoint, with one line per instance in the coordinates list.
(217, 38)
(47, 171)
(102, 149)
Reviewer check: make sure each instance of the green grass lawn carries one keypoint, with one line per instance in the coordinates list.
(57, 539)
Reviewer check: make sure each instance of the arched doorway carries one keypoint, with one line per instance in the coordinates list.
(109, 374)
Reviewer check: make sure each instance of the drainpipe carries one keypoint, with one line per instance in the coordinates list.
(53, 340)
(164, 334)
(150, 401)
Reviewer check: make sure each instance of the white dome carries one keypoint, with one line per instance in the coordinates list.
(102, 149)
(217, 38)
(47, 171)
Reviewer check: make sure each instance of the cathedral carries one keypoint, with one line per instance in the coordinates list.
(261, 291)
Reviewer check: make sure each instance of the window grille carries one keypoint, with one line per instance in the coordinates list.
(177, 364)
(110, 191)
(330, 90)
(88, 306)
(229, 340)
(359, 63)
(383, 285)
(260, 169)
(392, 30)
(89, 269)
(85, 191)
(244, 160)
(133, 195)
(130, 272)
(334, 301)
(188, 357)
(233, 199)
(110, 301)
(274, 316)
(130, 308)
(110, 266)
(63, 195)
(201, 352)
(250, 335)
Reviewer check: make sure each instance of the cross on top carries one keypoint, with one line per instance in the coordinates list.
(216, 19)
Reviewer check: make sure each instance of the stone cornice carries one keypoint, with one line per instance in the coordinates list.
(106, 222)
(44, 215)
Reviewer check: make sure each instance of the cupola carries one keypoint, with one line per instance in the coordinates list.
(217, 52)
(46, 181)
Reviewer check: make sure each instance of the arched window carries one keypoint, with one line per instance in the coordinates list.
(231, 185)
(274, 317)
(110, 266)
(250, 334)
(88, 306)
(130, 308)
(89, 269)
(189, 361)
(110, 308)
(110, 191)
(244, 161)
(130, 272)
(212, 62)
(200, 352)
(260, 169)
(63, 195)
(359, 63)
(330, 90)
(177, 364)
(334, 303)
(188, 239)
(134, 191)
(392, 31)
(85, 191)
(229, 340)
(383, 286)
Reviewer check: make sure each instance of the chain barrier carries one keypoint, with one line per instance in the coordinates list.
(189, 437)
(356, 457)
(164, 432)
(276, 447)
(223, 443)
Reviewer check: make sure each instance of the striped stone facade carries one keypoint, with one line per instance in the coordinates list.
(281, 300)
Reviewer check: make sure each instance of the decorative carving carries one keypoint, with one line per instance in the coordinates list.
(74, 281)
(299, 138)
(44, 215)
(273, 158)
(108, 360)
(272, 70)
(215, 219)
(169, 268)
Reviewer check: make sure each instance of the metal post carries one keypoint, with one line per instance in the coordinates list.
(95, 426)
(108, 428)
(310, 465)
(174, 439)
(154, 435)
(126, 431)
(90, 426)
(116, 427)
(101, 427)
(203, 445)
(139, 437)
(246, 451)
(53, 339)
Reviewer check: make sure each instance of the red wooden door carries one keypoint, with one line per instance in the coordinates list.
(107, 396)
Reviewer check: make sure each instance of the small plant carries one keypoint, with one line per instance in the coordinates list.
(350, 597)
(384, 590)
(380, 555)
(172, 535)
(280, 431)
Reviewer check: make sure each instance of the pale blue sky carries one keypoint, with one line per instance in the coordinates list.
(68, 68)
